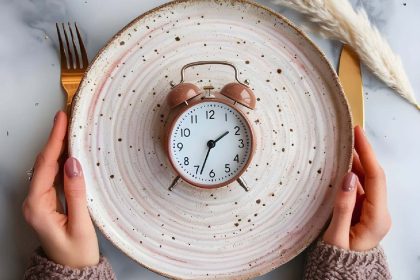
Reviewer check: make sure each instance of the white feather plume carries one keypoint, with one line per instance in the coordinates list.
(336, 19)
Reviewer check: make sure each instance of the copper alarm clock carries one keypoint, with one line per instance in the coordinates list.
(209, 141)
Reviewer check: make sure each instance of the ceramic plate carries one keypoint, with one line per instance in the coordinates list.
(302, 127)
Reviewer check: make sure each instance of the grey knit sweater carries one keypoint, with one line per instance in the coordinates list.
(324, 262)
(41, 268)
(327, 262)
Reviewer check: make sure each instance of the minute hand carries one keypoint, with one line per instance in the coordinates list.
(205, 160)
(211, 144)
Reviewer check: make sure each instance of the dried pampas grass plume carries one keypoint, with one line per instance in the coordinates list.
(336, 19)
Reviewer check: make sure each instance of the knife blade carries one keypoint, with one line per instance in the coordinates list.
(350, 77)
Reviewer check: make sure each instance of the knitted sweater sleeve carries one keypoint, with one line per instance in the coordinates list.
(42, 268)
(327, 262)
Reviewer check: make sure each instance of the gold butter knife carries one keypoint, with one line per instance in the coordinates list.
(351, 80)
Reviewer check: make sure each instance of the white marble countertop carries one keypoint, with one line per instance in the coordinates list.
(30, 95)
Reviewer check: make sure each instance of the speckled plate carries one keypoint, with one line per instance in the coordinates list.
(302, 127)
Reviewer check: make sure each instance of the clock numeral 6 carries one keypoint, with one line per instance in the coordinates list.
(237, 128)
(241, 145)
(180, 146)
(186, 161)
(185, 132)
(212, 174)
(210, 115)
(227, 168)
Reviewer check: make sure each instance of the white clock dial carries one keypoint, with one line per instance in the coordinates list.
(210, 144)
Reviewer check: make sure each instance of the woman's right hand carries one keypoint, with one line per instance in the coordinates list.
(360, 218)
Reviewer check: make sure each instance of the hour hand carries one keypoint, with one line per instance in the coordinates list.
(223, 135)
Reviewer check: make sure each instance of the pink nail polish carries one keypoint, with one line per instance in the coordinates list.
(349, 182)
(72, 167)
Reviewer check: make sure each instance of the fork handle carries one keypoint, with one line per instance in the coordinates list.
(71, 89)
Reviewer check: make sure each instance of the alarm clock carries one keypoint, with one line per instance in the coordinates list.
(209, 140)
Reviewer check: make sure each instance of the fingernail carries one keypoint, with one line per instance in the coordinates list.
(56, 116)
(72, 167)
(349, 182)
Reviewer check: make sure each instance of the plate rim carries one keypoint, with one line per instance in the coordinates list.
(318, 51)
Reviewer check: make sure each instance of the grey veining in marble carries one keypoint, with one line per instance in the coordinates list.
(30, 95)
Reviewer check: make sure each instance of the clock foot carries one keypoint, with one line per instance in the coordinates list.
(243, 184)
(174, 183)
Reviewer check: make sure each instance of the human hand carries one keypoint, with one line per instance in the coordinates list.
(67, 239)
(360, 218)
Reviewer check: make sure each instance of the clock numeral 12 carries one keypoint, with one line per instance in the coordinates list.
(210, 115)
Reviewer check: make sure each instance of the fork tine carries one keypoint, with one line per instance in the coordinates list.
(68, 48)
(76, 54)
(82, 48)
(63, 58)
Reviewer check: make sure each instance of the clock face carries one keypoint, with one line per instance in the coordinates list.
(210, 144)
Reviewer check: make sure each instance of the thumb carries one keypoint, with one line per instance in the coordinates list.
(338, 232)
(75, 193)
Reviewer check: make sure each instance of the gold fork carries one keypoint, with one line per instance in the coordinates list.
(73, 67)
(73, 63)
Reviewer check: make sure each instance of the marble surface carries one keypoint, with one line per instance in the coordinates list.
(30, 95)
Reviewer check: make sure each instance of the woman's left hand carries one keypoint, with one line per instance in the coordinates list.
(68, 239)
